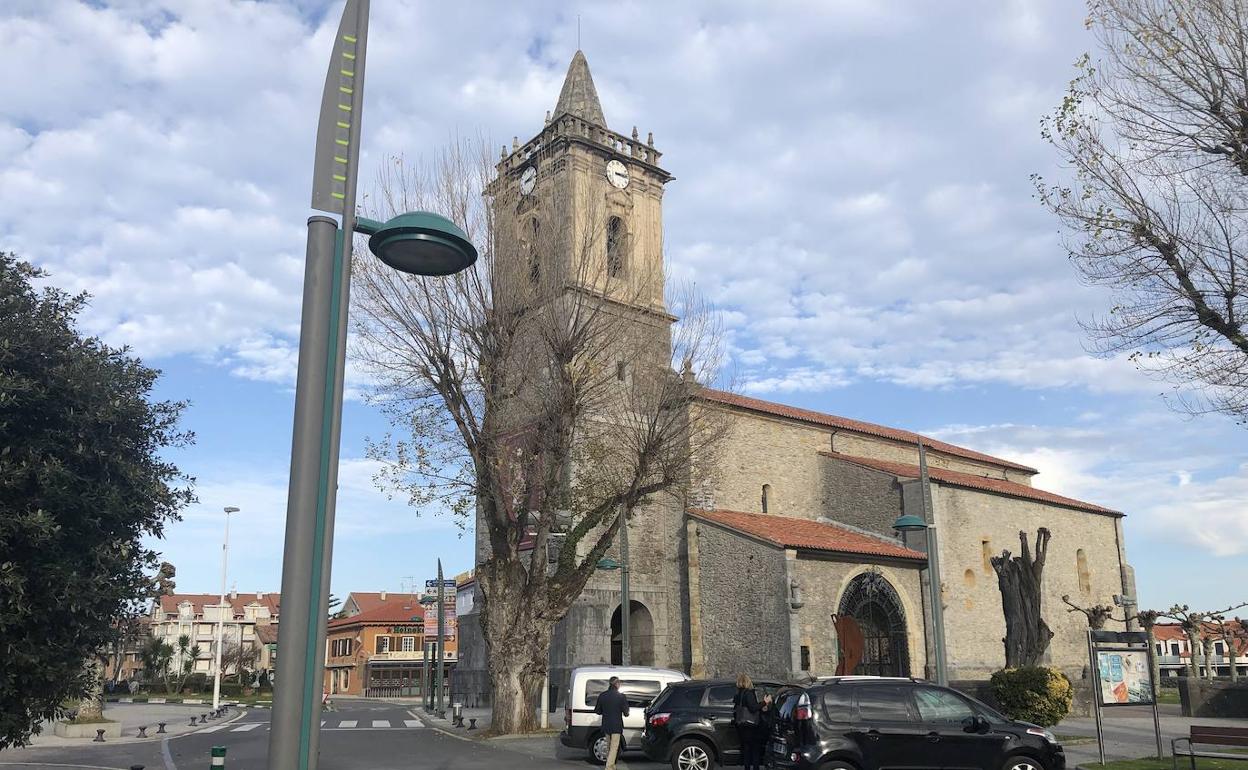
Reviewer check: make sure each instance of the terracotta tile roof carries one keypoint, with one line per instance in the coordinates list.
(267, 634)
(790, 532)
(169, 602)
(404, 611)
(857, 426)
(371, 600)
(971, 481)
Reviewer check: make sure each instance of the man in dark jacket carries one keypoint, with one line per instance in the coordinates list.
(613, 707)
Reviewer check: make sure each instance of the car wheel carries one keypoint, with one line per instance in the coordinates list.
(1023, 763)
(692, 755)
(599, 745)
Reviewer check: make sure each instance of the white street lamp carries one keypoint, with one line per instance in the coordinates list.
(225, 554)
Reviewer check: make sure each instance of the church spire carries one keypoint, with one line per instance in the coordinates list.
(579, 97)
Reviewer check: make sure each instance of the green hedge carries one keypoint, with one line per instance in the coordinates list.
(1039, 695)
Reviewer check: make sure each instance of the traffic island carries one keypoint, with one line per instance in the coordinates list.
(88, 729)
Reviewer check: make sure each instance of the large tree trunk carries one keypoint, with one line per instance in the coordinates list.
(92, 704)
(1027, 636)
(517, 630)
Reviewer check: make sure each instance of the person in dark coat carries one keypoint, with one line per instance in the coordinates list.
(613, 707)
(746, 713)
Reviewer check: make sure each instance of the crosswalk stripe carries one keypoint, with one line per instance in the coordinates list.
(246, 727)
(381, 723)
(347, 723)
(214, 728)
(413, 723)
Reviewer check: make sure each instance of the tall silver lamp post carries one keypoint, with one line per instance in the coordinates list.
(421, 243)
(912, 523)
(225, 558)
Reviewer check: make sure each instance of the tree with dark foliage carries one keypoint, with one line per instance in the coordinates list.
(82, 482)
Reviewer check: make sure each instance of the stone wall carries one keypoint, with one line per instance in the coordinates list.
(861, 497)
(1083, 561)
(824, 581)
(1220, 698)
(744, 607)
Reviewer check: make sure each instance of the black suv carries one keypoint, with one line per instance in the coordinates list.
(875, 723)
(690, 724)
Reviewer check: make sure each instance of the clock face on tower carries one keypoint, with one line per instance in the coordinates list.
(617, 174)
(528, 180)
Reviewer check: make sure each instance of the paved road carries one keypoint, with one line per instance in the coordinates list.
(357, 736)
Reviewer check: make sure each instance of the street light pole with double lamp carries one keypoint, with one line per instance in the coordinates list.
(225, 557)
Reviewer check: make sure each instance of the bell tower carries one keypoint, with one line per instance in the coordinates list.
(585, 204)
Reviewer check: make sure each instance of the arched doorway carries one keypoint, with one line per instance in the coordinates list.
(640, 636)
(873, 602)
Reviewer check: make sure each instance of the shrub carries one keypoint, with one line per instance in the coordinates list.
(1039, 695)
(196, 682)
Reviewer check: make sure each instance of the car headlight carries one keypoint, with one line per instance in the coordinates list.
(1043, 733)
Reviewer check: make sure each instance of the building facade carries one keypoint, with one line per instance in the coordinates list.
(1174, 650)
(383, 645)
(790, 523)
(248, 619)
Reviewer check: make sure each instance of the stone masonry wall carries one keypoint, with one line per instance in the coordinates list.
(861, 497)
(975, 525)
(744, 610)
(824, 583)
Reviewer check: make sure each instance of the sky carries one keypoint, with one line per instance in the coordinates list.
(851, 192)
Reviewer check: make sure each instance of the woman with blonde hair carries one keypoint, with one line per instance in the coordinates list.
(746, 714)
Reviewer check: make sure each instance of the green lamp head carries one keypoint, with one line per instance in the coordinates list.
(423, 243)
(909, 523)
(608, 563)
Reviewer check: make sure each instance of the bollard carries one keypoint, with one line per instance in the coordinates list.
(203, 719)
(99, 736)
(160, 727)
(472, 723)
(192, 720)
(218, 756)
(142, 731)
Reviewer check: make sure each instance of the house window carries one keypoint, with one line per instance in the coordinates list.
(409, 644)
(766, 494)
(1160, 650)
(1085, 577)
(615, 247)
(1174, 648)
(383, 644)
(346, 679)
(1218, 648)
(805, 658)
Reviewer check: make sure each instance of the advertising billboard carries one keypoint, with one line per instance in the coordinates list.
(1124, 677)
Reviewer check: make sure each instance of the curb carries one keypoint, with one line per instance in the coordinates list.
(429, 723)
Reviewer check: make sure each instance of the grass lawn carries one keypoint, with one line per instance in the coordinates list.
(1168, 695)
(1165, 764)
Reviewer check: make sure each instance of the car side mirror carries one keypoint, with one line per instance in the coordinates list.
(975, 724)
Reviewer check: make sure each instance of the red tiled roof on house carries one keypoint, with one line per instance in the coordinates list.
(857, 426)
(790, 532)
(405, 611)
(267, 634)
(971, 481)
(169, 602)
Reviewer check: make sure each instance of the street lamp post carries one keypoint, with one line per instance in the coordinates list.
(420, 243)
(912, 523)
(225, 557)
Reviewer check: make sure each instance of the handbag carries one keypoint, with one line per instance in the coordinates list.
(744, 717)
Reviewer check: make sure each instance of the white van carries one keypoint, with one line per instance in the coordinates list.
(640, 684)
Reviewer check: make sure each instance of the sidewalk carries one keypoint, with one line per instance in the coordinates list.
(1129, 733)
(131, 716)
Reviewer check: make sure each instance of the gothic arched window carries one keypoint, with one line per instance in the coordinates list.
(615, 247)
(535, 267)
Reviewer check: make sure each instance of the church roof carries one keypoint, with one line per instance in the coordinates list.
(971, 481)
(579, 97)
(790, 532)
(857, 426)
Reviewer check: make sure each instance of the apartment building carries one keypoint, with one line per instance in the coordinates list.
(248, 618)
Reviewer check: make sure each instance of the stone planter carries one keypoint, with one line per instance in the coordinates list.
(71, 730)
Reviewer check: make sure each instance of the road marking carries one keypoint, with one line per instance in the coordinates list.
(413, 723)
(381, 723)
(214, 728)
(246, 727)
(347, 723)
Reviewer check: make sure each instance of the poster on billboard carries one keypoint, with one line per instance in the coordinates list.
(1124, 677)
(448, 620)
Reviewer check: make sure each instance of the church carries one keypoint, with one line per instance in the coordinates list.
(795, 522)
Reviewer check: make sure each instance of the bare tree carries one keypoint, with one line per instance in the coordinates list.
(535, 390)
(241, 656)
(1198, 625)
(1096, 614)
(1020, 578)
(1156, 136)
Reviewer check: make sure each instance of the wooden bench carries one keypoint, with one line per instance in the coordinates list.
(1206, 735)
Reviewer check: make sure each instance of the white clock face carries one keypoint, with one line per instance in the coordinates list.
(617, 174)
(528, 180)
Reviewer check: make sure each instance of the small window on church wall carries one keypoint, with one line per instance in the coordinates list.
(805, 658)
(1085, 577)
(615, 247)
(968, 578)
(766, 494)
(985, 546)
(535, 267)
(621, 371)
